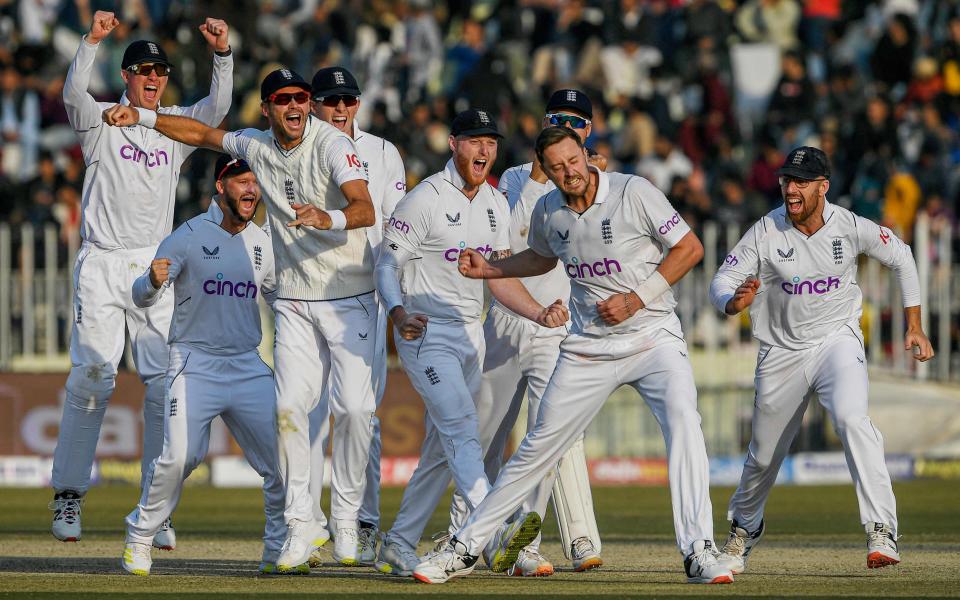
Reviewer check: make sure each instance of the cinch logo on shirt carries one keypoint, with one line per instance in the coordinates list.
(399, 225)
(221, 287)
(669, 224)
(807, 286)
(151, 159)
(452, 254)
(578, 270)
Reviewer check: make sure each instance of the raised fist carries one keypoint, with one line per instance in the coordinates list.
(216, 32)
(103, 23)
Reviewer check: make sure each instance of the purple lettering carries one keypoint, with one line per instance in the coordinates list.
(206, 287)
(810, 286)
(452, 254)
(399, 225)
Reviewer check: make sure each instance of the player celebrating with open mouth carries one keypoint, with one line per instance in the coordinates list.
(796, 270)
(610, 231)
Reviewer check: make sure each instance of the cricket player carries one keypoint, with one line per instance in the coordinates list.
(326, 326)
(127, 209)
(220, 263)
(436, 313)
(796, 270)
(336, 100)
(611, 232)
(520, 357)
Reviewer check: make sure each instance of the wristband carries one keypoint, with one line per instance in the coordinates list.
(338, 220)
(651, 289)
(148, 118)
(225, 53)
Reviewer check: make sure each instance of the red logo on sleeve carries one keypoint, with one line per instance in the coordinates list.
(884, 236)
(353, 161)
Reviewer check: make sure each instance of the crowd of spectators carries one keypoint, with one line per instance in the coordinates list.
(702, 97)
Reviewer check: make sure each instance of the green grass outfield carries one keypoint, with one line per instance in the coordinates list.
(814, 548)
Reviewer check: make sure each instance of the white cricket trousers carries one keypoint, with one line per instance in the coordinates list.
(320, 437)
(201, 386)
(577, 391)
(444, 365)
(837, 371)
(325, 346)
(102, 305)
(520, 358)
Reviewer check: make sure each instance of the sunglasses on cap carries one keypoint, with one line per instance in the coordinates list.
(285, 98)
(233, 164)
(334, 101)
(562, 120)
(146, 69)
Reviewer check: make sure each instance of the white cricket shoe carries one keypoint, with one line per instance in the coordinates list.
(66, 516)
(530, 563)
(345, 544)
(881, 546)
(303, 537)
(505, 546)
(394, 559)
(136, 559)
(740, 542)
(268, 565)
(367, 545)
(585, 555)
(440, 567)
(702, 566)
(166, 537)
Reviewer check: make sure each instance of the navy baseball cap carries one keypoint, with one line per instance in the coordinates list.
(144, 51)
(280, 79)
(471, 123)
(806, 162)
(227, 166)
(571, 100)
(334, 81)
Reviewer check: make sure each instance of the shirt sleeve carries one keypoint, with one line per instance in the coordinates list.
(239, 144)
(880, 243)
(396, 180)
(393, 258)
(83, 111)
(411, 221)
(742, 262)
(664, 222)
(173, 248)
(503, 231)
(537, 236)
(342, 161)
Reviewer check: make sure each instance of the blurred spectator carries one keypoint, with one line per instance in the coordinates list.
(769, 21)
(892, 59)
(666, 163)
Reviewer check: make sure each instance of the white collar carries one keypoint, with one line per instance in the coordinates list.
(451, 174)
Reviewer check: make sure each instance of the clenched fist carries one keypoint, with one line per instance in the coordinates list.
(308, 214)
(472, 264)
(555, 315)
(159, 272)
(744, 296)
(119, 115)
(216, 32)
(103, 23)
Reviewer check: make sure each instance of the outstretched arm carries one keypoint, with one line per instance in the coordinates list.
(82, 110)
(528, 263)
(181, 129)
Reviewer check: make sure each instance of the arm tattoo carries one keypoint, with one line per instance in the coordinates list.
(500, 254)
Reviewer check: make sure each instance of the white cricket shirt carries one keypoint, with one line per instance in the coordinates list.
(132, 172)
(434, 222)
(808, 285)
(386, 180)
(218, 278)
(312, 264)
(611, 248)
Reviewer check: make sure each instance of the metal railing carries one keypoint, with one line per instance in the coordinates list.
(36, 296)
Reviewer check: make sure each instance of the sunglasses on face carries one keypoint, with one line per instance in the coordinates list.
(800, 183)
(284, 99)
(146, 69)
(334, 101)
(561, 120)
